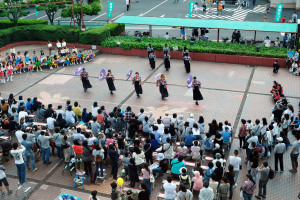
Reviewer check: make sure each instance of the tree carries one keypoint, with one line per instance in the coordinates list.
(14, 13)
(50, 9)
(92, 8)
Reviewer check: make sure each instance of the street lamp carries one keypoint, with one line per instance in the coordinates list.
(83, 26)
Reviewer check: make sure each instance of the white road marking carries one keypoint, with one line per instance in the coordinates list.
(97, 17)
(57, 18)
(117, 17)
(162, 15)
(27, 16)
(259, 82)
(231, 74)
(153, 8)
(42, 17)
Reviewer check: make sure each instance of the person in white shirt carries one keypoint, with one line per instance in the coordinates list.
(170, 189)
(95, 109)
(70, 116)
(206, 193)
(19, 134)
(50, 122)
(161, 127)
(4, 181)
(17, 153)
(128, 4)
(167, 35)
(236, 162)
(166, 120)
(226, 124)
(191, 120)
(218, 158)
(22, 114)
(267, 42)
(63, 44)
(59, 111)
(58, 45)
(151, 118)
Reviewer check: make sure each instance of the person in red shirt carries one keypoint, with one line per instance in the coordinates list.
(283, 19)
(100, 118)
(78, 150)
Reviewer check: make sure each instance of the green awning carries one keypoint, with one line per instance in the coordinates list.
(205, 23)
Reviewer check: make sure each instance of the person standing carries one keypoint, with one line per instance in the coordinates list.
(294, 18)
(254, 3)
(187, 62)
(84, 77)
(242, 133)
(43, 141)
(206, 193)
(114, 157)
(149, 49)
(152, 58)
(4, 181)
(167, 60)
(248, 187)
(236, 162)
(110, 81)
(137, 82)
(196, 85)
(220, 8)
(170, 189)
(238, 36)
(263, 181)
(128, 4)
(295, 153)
(278, 152)
(17, 153)
(162, 84)
(28, 153)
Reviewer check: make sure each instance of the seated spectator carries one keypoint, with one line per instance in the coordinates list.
(153, 142)
(217, 150)
(209, 171)
(208, 145)
(189, 139)
(157, 134)
(182, 150)
(177, 164)
(184, 178)
(184, 193)
(196, 152)
(170, 189)
(199, 168)
(219, 140)
(165, 136)
(206, 193)
(197, 181)
(226, 135)
(218, 158)
(218, 171)
(163, 165)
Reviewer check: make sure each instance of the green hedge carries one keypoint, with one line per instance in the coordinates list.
(115, 29)
(94, 35)
(21, 22)
(37, 32)
(128, 42)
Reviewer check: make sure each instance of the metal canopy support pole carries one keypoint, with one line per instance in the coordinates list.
(218, 34)
(254, 37)
(150, 30)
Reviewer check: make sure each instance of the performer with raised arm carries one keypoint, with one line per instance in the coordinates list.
(110, 81)
(162, 84)
(137, 82)
(196, 85)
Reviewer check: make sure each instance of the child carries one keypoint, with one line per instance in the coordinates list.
(21, 66)
(49, 63)
(33, 56)
(18, 57)
(38, 64)
(56, 61)
(78, 150)
(185, 178)
(13, 53)
(198, 168)
(80, 57)
(2, 77)
(67, 60)
(74, 59)
(9, 71)
(91, 55)
(30, 67)
(115, 193)
(125, 162)
(197, 182)
(4, 181)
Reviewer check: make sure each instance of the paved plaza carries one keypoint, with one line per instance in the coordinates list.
(231, 92)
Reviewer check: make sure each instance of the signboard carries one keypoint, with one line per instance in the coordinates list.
(110, 8)
(36, 11)
(191, 8)
(278, 12)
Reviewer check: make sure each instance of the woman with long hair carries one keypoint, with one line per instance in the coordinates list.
(133, 172)
(146, 176)
(162, 84)
(196, 85)
(230, 177)
(87, 157)
(98, 154)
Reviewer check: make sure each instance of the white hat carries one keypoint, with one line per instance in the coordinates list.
(191, 115)
(217, 146)
(280, 139)
(160, 156)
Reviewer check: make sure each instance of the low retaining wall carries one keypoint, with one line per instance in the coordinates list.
(222, 58)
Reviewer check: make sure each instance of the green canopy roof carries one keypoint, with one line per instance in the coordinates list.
(204, 23)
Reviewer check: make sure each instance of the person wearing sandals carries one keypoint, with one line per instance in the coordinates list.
(4, 181)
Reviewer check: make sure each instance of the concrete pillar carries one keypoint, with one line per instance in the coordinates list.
(297, 4)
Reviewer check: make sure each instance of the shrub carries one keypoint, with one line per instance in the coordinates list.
(21, 22)
(128, 42)
(94, 35)
(115, 29)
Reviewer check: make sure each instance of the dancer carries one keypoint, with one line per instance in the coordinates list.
(187, 62)
(50, 47)
(167, 60)
(110, 81)
(166, 49)
(2, 77)
(137, 81)
(9, 71)
(152, 59)
(162, 84)
(84, 77)
(149, 49)
(196, 85)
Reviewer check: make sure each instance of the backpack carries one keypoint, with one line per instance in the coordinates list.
(185, 181)
(99, 158)
(271, 173)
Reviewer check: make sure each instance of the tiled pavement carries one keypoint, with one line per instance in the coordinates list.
(230, 92)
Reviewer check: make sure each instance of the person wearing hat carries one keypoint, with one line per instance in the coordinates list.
(196, 85)
(217, 150)
(162, 84)
(137, 82)
(191, 120)
(278, 153)
(110, 81)
(84, 77)
(163, 165)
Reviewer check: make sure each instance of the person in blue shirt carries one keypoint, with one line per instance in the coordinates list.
(209, 171)
(28, 105)
(208, 145)
(290, 56)
(285, 40)
(157, 134)
(165, 136)
(77, 135)
(154, 142)
(226, 135)
(29, 156)
(188, 140)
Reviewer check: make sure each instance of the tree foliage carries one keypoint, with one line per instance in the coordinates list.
(50, 9)
(13, 14)
(93, 7)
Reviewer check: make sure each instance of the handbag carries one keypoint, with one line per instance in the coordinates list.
(152, 180)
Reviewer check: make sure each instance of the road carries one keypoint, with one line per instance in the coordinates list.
(167, 9)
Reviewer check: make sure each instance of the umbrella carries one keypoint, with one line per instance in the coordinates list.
(79, 69)
(102, 74)
(128, 75)
(157, 75)
(189, 81)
